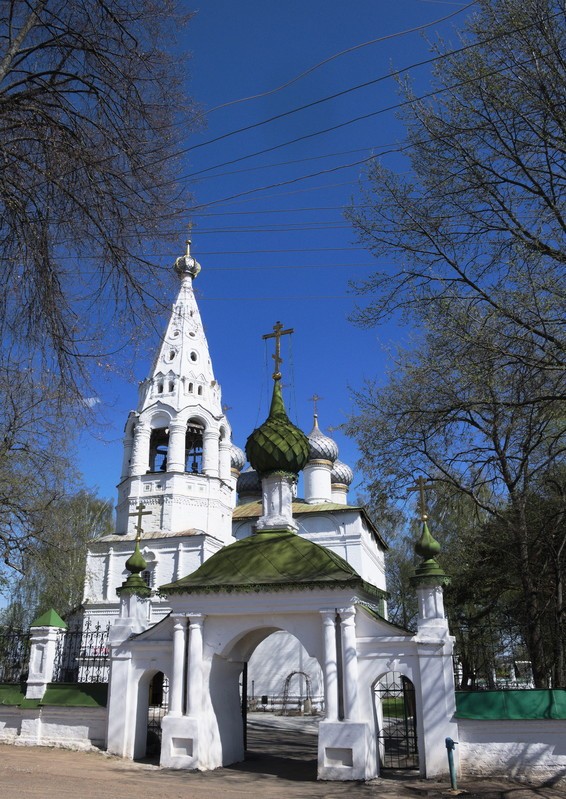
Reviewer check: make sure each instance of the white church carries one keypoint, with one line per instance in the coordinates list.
(222, 588)
(215, 571)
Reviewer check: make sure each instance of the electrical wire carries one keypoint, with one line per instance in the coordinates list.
(333, 57)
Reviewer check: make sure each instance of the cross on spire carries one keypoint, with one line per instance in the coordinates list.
(277, 333)
(188, 242)
(139, 513)
(420, 486)
(315, 399)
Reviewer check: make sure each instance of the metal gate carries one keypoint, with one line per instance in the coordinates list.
(158, 705)
(396, 722)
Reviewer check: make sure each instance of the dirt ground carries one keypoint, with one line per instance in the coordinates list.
(280, 763)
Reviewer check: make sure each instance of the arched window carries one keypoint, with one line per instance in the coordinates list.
(158, 447)
(193, 447)
(199, 391)
(147, 577)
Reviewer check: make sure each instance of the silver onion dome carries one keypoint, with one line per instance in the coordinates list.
(186, 264)
(321, 447)
(341, 473)
(249, 482)
(237, 458)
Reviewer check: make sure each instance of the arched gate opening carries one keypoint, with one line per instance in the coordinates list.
(396, 722)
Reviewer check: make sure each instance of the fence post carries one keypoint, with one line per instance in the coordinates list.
(44, 633)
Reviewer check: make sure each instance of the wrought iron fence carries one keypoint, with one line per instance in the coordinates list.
(14, 654)
(82, 654)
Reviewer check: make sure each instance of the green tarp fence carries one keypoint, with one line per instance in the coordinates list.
(58, 695)
(513, 704)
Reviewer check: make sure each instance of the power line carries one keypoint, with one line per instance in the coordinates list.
(402, 71)
(333, 57)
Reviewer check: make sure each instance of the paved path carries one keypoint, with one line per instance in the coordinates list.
(281, 764)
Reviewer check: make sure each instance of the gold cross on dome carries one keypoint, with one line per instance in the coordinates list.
(420, 486)
(277, 333)
(139, 513)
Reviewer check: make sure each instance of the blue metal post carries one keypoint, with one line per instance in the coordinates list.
(450, 744)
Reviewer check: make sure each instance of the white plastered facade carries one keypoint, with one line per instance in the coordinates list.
(201, 642)
(202, 647)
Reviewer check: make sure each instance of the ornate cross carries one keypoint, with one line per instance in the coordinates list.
(277, 333)
(421, 488)
(139, 513)
(314, 399)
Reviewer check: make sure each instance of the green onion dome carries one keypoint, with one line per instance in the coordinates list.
(428, 548)
(136, 562)
(277, 445)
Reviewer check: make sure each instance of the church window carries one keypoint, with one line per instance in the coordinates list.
(199, 391)
(193, 356)
(193, 447)
(158, 447)
(147, 577)
(171, 355)
(160, 387)
(191, 388)
(171, 385)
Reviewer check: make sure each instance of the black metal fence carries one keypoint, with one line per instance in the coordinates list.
(14, 655)
(82, 654)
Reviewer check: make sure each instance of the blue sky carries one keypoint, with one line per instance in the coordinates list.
(280, 249)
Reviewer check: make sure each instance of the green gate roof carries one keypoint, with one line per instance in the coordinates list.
(271, 562)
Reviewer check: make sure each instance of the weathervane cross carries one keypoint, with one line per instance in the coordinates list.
(139, 513)
(421, 488)
(277, 333)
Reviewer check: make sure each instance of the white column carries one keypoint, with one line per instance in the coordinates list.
(176, 688)
(140, 450)
(176, 448)
(431, 603)
(210, 453)
(330, 664)
(194, 688)
(128, 444)
(224, 458)
(349, 662)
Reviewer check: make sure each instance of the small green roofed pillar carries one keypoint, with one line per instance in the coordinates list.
(49, 619)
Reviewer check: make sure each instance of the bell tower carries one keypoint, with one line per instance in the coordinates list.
(177, 444)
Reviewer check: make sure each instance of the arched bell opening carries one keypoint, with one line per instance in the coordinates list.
(194, 447)
(158, 449)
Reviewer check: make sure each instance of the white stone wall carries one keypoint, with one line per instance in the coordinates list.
(10, 723)
(528, 749)
(68, 727)
(274, 659)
